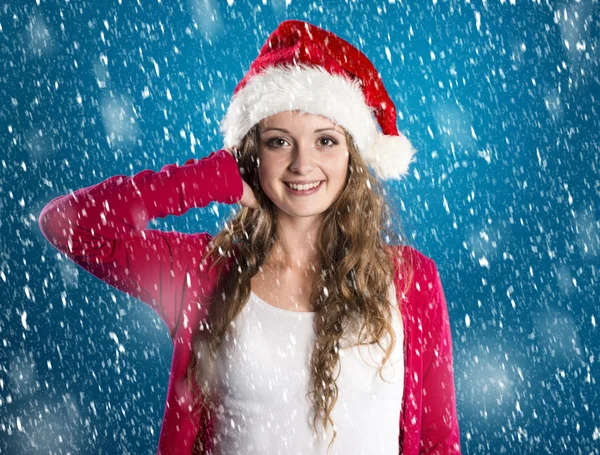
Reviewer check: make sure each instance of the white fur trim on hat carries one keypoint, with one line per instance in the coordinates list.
(390, 156)
(314, 90)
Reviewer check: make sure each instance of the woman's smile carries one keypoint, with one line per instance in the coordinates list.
(303, 189)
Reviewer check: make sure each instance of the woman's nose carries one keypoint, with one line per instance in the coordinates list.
(302, 159)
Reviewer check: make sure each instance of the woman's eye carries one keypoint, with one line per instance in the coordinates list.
(276, 142)
(327, 141)
(279, 142)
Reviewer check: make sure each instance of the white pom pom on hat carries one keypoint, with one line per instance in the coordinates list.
(304, 68)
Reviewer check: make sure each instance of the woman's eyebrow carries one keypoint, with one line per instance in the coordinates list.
(328, 129)
(274, 129)
(286, 131)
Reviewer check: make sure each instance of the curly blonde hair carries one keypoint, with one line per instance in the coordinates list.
(357, 269)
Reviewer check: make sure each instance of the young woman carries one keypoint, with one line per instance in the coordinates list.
(301, 327)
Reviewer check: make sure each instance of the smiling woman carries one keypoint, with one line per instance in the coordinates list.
(301, 155)
(301, 324)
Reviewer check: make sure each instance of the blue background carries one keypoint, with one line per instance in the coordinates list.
(501, 102)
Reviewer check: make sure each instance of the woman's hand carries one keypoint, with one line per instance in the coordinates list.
(248, 199)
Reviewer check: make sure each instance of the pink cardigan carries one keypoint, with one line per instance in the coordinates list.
(103, 228)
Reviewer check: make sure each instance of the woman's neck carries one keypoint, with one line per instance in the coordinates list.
(295, 246)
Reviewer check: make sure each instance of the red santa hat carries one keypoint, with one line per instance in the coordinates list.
(304, 68)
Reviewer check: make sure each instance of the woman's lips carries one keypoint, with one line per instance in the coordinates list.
(304, 192)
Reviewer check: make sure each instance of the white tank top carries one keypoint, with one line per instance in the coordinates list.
(263, 379)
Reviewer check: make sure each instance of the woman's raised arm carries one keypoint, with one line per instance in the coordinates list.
(102, 228)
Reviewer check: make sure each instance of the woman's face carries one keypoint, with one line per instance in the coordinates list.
(303, 162)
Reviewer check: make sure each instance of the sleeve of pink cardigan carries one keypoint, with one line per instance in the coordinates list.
(439, 423)
(102, 228)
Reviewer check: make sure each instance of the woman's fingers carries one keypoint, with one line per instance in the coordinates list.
(248, 197)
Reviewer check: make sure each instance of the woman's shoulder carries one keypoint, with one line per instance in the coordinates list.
(420, 263)
(417, 276)
(425, 301)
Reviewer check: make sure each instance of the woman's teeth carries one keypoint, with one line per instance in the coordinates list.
(304, 187)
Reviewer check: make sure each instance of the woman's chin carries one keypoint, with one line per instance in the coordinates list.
(297, 211)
